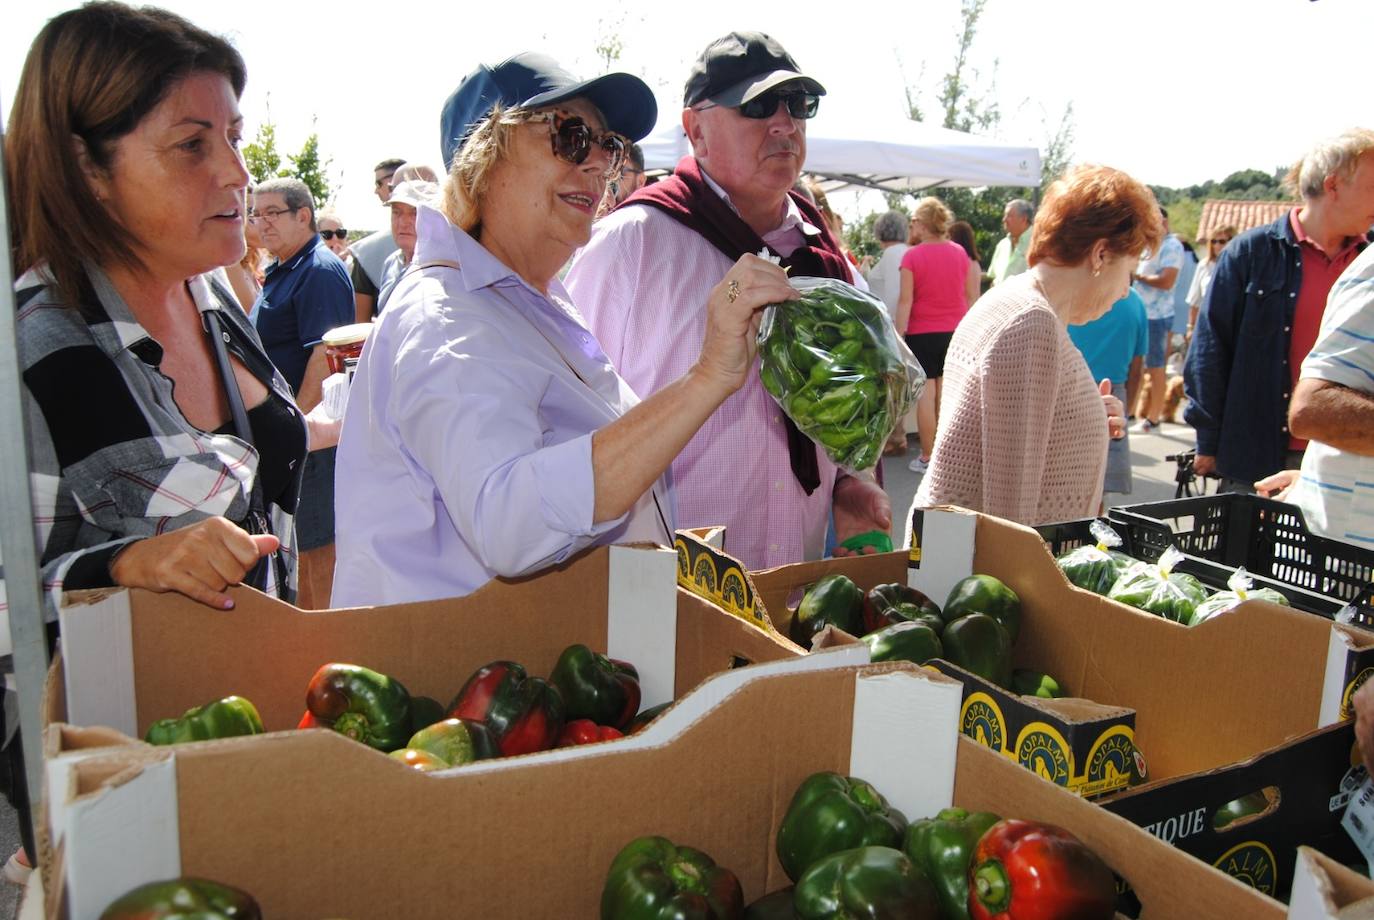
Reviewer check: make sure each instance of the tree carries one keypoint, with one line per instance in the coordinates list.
(260, 156)
(264, 161)
(964, 108)
(307, 167)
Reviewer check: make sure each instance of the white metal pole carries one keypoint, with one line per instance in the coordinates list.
(23, 588)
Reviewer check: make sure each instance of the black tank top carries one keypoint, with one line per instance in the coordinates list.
(280, 440)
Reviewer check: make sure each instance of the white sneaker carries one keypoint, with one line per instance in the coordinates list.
(918, 466)
(1144, 426)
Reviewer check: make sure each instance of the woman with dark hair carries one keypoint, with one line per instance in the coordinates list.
(1023, 427)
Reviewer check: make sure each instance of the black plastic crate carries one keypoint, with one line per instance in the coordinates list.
(1147, 542)
(1268, 538)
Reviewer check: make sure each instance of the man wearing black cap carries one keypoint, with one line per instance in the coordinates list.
(643, 279)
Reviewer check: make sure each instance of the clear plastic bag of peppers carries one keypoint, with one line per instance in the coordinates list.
(834, 362)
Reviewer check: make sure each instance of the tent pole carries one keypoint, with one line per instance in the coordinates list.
(21, 573)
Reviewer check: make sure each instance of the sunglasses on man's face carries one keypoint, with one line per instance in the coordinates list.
(1221, 242)
(573, 140)
(799, 105)
(341, 233)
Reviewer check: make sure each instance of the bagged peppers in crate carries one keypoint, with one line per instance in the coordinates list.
(1241, 589)
(1158, 589)
(1096, 567)
(835, 364)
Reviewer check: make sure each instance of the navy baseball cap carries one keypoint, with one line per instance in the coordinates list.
(531, 80)
(740, 66)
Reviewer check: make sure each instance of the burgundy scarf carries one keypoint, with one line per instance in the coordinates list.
(687, 198)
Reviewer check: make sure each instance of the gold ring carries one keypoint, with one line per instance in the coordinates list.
(732, 290)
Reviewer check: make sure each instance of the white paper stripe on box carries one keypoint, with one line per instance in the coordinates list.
(641, 617)
(120, 837)
(946, 550)
(98, 664)
(906, 738)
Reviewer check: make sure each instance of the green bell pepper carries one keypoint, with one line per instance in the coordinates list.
(829, 813)
(896, 602)
(985, 594)
(455, 741)
(942, 848)
(654, 879)
(833, 600)
(1035, 683)
(870, 882)
(184, 899)
(361, 704)
(596, 687)
(914, 642)
(226, 718)
(775, 906)
(978, 644)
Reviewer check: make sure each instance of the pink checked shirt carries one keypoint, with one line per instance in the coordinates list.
(641, 283)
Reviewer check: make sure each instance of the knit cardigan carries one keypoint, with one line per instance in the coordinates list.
(1022, 432)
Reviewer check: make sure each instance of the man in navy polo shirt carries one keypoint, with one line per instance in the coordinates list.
(306, 293)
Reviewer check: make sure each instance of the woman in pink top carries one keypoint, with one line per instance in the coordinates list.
(939, 282)
(1023, 427)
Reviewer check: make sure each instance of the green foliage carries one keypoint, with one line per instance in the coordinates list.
(307, 167)
(1184, 214)
(964, 107)
(260, 155)
(264, 161)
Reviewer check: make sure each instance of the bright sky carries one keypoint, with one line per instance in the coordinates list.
(1173, 91)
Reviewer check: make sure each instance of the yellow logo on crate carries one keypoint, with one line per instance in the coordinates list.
(1113, 761)
(1043, 751)
(698, 570)
(1252, 863)
(982, 720)
(1347, 707)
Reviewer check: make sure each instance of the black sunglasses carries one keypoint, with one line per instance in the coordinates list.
(799, 105)
(341, 233)
(1222, 242)
(573, 140)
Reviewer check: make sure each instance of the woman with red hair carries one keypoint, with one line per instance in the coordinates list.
(1023, 427)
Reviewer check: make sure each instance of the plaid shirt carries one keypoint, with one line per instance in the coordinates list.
(111, 457)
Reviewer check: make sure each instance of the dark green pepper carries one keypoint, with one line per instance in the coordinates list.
(823, 370)
(915, 642)
(775, 906)
(847, 352)
(424, 712)
(829, 813)
(226, 718)
(875, 883)
(184, 899)
(654, 879)
(361, 704)
(942, 848)
(596, 687)
(895, 603)
(837, 437)
(985, 594)
(833, 601)
(978, 644)
(1035, 683)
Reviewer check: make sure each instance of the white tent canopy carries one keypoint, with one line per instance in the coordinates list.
(897, 154)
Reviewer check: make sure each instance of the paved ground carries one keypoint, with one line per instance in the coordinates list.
(1154, 481)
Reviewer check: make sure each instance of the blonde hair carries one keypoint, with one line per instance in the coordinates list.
(935, 215)
(1335, 156)
(466, 183)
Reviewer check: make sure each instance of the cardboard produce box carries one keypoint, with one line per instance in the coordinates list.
(1080, 743)
(1323, 889)
(324, 827)
(1306, 784)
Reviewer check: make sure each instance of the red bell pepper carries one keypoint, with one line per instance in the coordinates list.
(524, 714)
(585, 731)
(1023, 870)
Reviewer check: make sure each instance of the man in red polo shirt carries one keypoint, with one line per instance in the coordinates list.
(1264, 310)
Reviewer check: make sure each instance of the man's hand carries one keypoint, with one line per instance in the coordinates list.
(1364, 722)
(1277, 486)
(860, 505)
(1204, 465)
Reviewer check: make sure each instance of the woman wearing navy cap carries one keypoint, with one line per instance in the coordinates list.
(487, 433)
